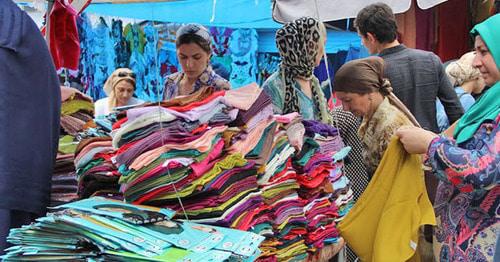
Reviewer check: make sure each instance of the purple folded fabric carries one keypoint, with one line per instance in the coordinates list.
(316, 127)
(153, 141)
(219, 199)
(243, 116)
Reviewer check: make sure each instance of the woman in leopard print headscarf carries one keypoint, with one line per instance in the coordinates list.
(294, 88)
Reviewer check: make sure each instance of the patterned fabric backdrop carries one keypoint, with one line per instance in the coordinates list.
(149, 50)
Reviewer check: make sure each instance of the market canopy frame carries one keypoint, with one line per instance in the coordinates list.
(331, 10)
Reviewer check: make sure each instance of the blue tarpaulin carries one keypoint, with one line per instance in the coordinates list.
(227, 13)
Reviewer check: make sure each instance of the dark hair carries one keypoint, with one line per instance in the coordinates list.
(193, 38)
(379, 20)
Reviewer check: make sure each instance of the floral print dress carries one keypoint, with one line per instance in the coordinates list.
(467, 199)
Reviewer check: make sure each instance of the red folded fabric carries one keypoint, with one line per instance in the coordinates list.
(119, 123)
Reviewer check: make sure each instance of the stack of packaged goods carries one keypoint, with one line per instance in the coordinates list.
(98, 229)
(77, 112)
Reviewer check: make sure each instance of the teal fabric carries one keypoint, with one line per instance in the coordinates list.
(309, 148)
(486, 108)
(274, 86)
(258, 148)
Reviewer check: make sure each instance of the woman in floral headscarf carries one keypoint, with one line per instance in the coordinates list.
(193, 46)
(363, 90)
(468, 165)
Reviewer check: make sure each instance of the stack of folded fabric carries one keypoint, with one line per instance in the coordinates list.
(94, 167)
(77, 112)
(279, 186)
(99, 229)
(322, 183)
(194, 155)
(64, 184)
(221, 158)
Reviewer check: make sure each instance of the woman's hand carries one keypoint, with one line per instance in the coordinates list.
(295, 133)
(327, 252)
(415, 140)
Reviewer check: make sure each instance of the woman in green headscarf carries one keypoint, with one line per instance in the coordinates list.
(468, 165)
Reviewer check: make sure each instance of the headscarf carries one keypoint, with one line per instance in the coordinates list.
(364, 76)
(461, 71)
(490, 33)
(298, 43)
(488, 106)
(194, 29)
(116, 77)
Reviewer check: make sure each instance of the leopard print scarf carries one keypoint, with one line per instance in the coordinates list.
(298, 44)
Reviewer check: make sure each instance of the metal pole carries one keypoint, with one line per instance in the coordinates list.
(50, 4)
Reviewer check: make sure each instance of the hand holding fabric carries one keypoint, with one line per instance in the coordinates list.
(295, 133)
(415, 140)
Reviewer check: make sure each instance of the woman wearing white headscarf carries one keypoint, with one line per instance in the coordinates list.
(120, 88)
(468, 84)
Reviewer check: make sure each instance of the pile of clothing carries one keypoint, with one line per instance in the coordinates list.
(77, 112)
(322, 183)
(305, 191)
(99, 229)
(94, 168)
(222, 158)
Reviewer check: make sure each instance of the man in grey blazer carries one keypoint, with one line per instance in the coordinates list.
(417, 76)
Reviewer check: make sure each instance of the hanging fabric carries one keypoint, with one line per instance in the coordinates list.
(64, 40)
(391, 210)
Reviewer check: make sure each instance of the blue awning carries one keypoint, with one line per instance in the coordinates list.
(228, 13)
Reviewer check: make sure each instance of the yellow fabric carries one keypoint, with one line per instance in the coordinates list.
(73, 106)
(384, 223)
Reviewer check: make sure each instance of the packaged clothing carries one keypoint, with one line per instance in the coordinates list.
(391, 210)
(99, 229)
